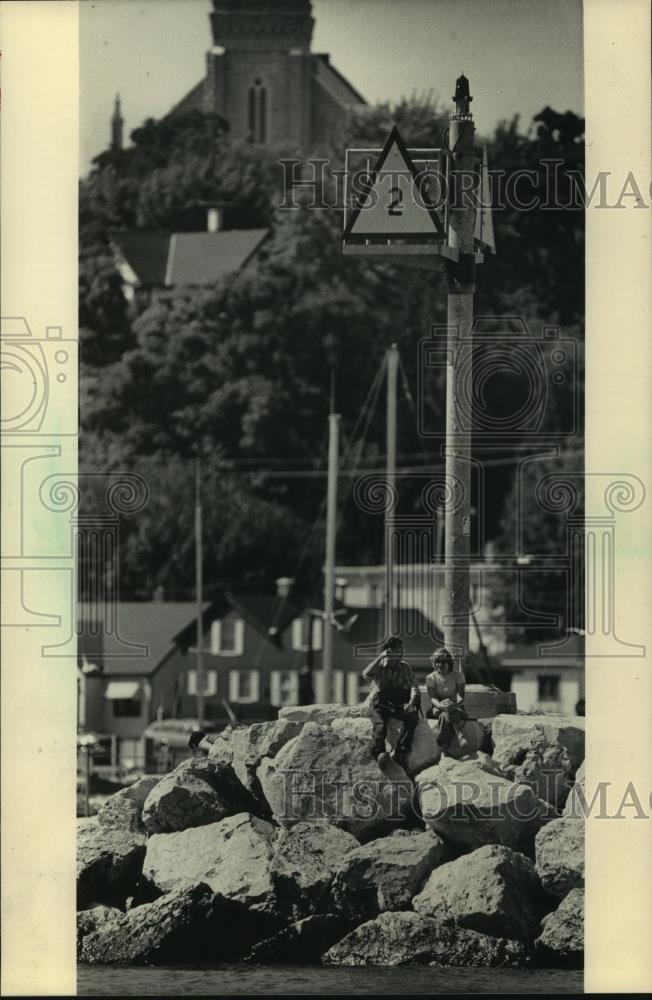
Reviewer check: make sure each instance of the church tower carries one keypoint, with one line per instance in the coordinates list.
(117, 125)
(258, 74)
(263, 79)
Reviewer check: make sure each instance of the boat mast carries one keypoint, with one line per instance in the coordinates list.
(391, 612)
(331, 529)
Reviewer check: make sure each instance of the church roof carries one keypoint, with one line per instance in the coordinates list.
(335, 85)
(186, 258)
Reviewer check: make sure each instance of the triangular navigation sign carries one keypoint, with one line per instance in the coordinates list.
(394, 202)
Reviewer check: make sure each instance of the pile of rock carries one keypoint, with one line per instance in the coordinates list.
(287, 843)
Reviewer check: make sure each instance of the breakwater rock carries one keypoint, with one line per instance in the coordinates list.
(288, 843)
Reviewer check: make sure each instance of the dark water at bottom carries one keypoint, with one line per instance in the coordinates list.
(230, 980)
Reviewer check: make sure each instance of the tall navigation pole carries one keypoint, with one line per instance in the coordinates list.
(199, 587)
(461, 286)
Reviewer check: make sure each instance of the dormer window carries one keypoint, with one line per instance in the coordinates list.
(257, 112)
(227, 637)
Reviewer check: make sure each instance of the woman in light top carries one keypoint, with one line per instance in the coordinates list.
(446, 692)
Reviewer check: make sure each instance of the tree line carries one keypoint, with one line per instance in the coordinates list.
(238, 373)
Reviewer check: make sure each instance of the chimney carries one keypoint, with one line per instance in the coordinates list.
(284, 585)
(214, 221)
(341, 583)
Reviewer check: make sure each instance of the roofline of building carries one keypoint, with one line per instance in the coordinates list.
(325, 58)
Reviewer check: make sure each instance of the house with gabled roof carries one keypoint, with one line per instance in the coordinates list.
(156, 261)
(256, 650)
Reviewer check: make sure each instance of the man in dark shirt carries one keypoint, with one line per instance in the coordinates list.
(395, 696)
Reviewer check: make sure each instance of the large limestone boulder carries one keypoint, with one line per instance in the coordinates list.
(542, 753)
(561, 941)
(301, 943)
(560, 856)
(319, 775)
(233, 857)
(92, 919)
(575, 806)
(306, 858)
(469, 804)
(385, 874)
(493, 890)
(482, 702)
(424, 750)
(109, 863)
(323, 714)
(219, 774)
(531, 759)
(406, 938)
(187, 925)
(565, 730)
(200, 790)
(221, 750)
(181, 800)
(251, 744)
(124, 810)
(357, 727)
(474, 733)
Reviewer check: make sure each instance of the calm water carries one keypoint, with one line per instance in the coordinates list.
(230, 980)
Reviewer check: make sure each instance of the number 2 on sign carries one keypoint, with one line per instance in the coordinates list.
(396, 203)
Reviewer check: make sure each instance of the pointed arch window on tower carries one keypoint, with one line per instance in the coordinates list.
(257, 113)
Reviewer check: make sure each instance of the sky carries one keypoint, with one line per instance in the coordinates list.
(520, 55)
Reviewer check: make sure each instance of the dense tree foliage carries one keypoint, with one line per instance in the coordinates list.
(240, 372)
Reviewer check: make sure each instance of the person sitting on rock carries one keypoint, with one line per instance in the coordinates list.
(199, 740)
(445, 687)
(395, 695)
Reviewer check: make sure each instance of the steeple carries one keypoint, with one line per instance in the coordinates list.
(240, 25)
(117, 125)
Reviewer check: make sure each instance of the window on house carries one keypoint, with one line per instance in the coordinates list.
(357, 688)
(548, 687)
(244, 686)
(337, 694)
(124, 708)
(300, 633)
(284, 688)
(257, 112)
(210, 682)
(227, 637)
